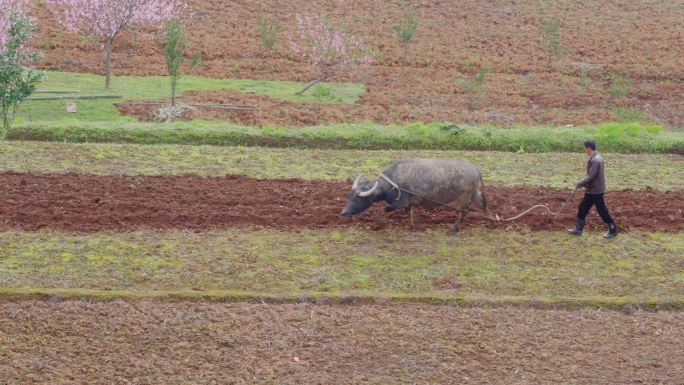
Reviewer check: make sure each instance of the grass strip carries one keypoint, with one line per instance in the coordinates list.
(551, 268)
(614, 137)
(638, 171)
(99, 121)
(568, 303)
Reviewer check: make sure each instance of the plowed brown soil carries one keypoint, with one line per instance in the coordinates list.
(454, 40)
(440, 102)
(91, 203)
(76, 342)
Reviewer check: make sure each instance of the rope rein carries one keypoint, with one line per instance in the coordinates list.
(495, 217)
(545, 207)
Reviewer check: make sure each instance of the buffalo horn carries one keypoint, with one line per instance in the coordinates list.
(356, 181)
(364, 194)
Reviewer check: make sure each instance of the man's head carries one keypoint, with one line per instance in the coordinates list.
(589, 146)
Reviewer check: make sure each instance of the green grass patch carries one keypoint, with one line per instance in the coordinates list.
(157, 87)
(99, 121)
(638, 171)
(349, 263)
(613, 137)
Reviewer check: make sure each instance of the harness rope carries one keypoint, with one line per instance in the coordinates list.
(495, 217)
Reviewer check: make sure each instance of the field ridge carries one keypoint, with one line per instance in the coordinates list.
(623, 303)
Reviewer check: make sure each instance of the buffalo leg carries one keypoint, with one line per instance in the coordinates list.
(459, 221)
(409, 210)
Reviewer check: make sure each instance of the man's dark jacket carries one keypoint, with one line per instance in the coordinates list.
(595, 181)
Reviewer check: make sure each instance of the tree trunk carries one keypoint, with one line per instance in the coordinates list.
(174, 84)
(403, 62)
(5, 124)
(108, 61)
(313, 83)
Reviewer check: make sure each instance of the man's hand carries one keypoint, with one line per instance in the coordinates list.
(579, 183)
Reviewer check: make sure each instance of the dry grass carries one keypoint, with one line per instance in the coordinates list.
(212, 343)
(477, 266)
(661, 172)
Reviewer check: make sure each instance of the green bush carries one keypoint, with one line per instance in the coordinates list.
(17, 81)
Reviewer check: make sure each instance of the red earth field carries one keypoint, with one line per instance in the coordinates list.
(91, 203)
(77, 342)
(640, 40)
(154, 342)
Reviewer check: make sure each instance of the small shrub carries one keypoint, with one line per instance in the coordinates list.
(619, 85)
(473, 87)
(174, 48)
(196, 60)
(406, 32)
(550, 40)
(269, 31)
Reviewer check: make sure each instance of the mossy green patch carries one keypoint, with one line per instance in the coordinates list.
(475, 264)
(660, 172)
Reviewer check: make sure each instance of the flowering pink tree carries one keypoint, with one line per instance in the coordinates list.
(327, 48)
(8, 8)
(107, 18)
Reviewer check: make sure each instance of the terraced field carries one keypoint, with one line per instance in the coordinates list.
(182, 229)
(635, 39)
(152, 342)
(211, 250)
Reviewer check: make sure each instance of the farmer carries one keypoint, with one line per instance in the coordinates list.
(595, 183)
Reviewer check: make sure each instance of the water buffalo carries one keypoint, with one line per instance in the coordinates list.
(420, 182)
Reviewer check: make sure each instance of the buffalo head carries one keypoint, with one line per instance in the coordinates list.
(361, 197)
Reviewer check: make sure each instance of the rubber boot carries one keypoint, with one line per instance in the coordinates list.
(578, 229)
(612, 231)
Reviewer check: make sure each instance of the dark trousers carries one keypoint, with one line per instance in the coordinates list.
(591, 200)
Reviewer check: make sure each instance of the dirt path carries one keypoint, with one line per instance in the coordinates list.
(163, 343)
(92, 203)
